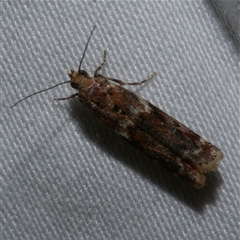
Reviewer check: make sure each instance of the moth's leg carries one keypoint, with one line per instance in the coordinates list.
(120, 82)
(102, 64)
(66, 98)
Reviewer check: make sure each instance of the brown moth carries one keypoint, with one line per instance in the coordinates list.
(161, 137)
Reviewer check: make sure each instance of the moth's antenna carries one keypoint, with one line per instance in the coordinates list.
(85, 49)
(58, 83)
(46, 89)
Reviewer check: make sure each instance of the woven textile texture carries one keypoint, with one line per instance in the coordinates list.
(59, 178)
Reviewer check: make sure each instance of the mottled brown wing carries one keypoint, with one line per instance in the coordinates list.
(177, 138)
(116, 118)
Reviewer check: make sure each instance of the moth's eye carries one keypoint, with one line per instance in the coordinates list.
(83, 73)
(74, 85)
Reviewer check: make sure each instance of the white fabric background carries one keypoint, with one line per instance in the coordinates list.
(59, 180)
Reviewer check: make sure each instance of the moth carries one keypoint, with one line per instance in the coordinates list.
(162, 138)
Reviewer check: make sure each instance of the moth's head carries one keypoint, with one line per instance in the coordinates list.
(77, 78)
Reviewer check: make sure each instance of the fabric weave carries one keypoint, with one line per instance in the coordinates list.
(59, 179)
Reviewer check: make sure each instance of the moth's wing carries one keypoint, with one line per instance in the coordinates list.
(177, 138)
(110, 113)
